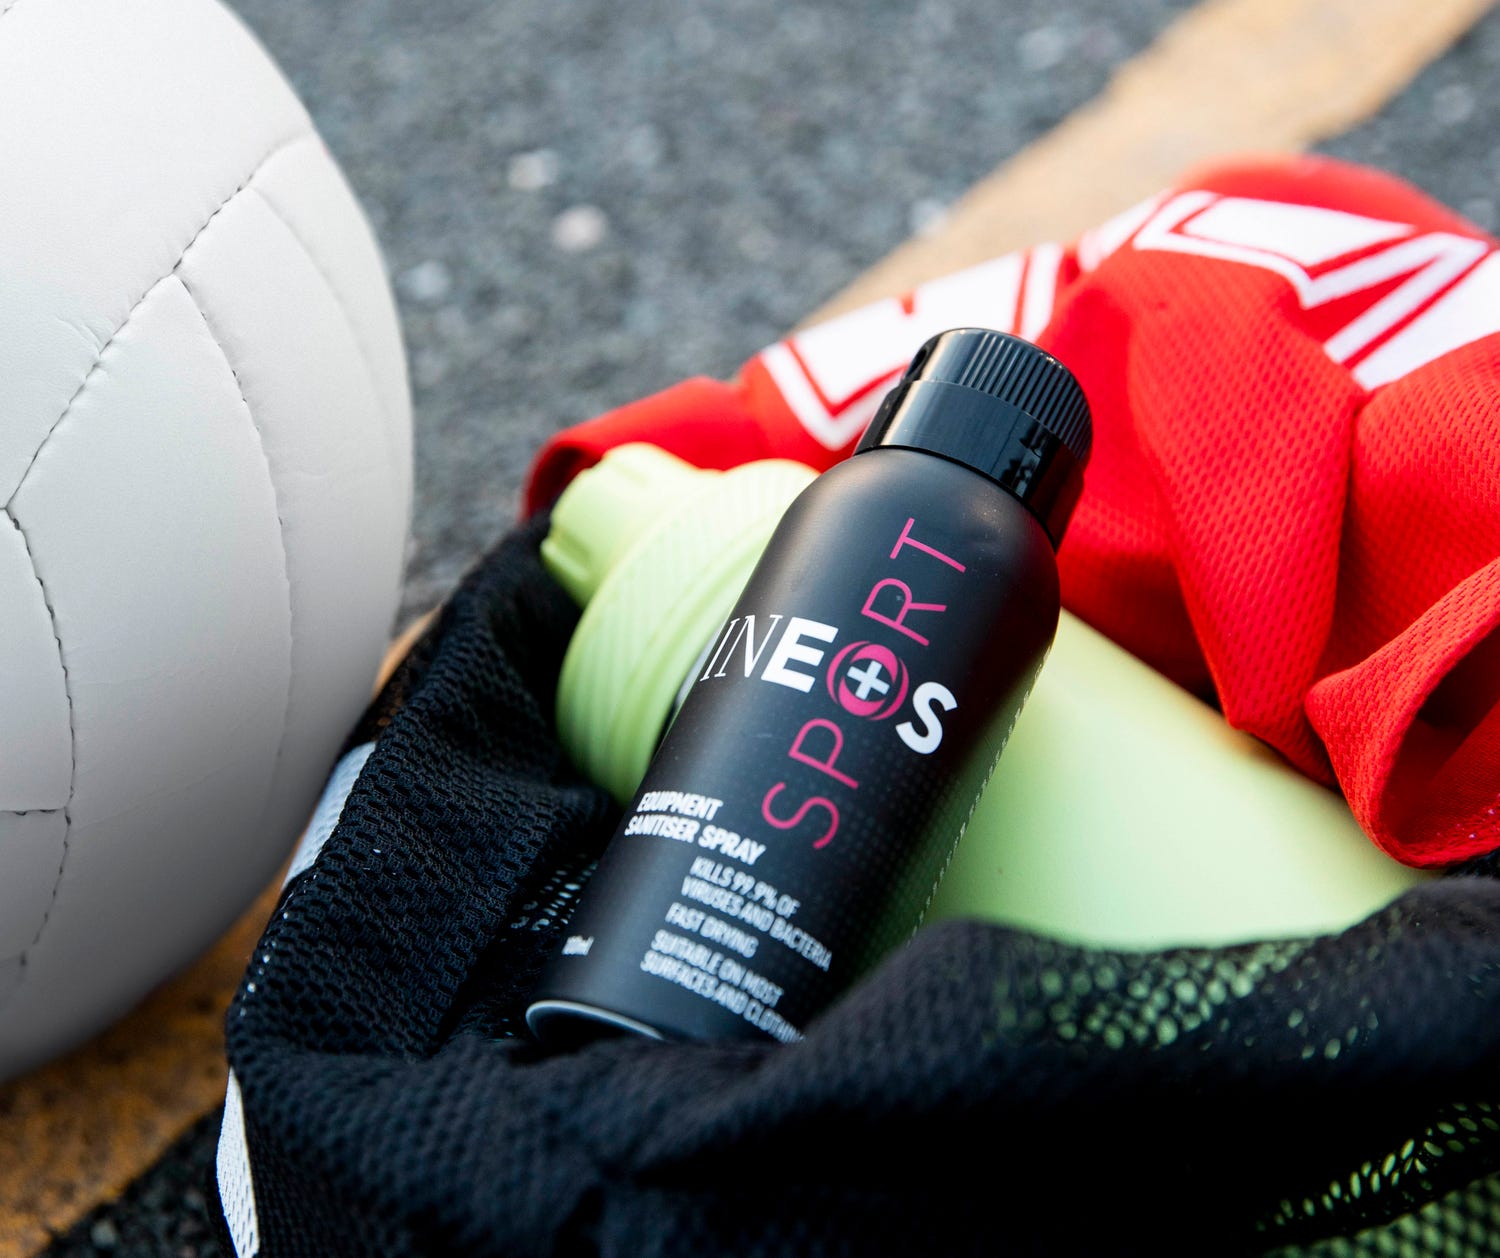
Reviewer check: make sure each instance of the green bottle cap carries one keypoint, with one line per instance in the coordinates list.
(605, 510)
(657, 550)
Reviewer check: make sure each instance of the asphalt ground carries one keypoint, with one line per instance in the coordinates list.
(581, 203)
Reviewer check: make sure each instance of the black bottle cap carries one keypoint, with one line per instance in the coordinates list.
(998, 404)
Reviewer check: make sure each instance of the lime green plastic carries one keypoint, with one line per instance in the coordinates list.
(1124, 812)
(657, 551)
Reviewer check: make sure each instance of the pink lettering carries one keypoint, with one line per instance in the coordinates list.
(822, 766)
(788, 823)
(898, 622)
(906, 539)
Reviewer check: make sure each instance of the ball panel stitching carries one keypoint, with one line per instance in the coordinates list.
(324, 273)
(280, 147)
(21, 960)
(286, 575)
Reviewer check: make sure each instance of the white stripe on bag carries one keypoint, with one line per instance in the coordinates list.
(236, 1190)
(330, 808)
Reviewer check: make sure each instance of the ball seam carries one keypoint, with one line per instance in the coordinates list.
(390, 419)
(25, 953)
(280, 147)
(260, 164)
(286, 563)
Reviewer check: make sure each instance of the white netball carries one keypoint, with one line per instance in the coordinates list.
(205, 480)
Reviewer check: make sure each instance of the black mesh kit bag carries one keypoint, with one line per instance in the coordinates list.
(984, 1091)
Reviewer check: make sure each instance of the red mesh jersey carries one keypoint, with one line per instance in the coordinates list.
(1293, 503)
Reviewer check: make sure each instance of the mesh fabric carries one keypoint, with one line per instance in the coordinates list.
(984, 1091)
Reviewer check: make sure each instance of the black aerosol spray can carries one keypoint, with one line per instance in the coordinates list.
(823, 765)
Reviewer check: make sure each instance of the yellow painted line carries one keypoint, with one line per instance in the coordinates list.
(1228, 76)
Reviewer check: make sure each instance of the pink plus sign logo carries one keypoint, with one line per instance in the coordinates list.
(866, 679)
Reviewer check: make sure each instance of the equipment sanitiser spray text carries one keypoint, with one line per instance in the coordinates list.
(839, 729)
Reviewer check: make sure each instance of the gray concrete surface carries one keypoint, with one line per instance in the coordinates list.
(1443, 132)
(583, 202)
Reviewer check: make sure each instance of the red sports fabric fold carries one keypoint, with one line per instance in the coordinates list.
(1293, 505)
